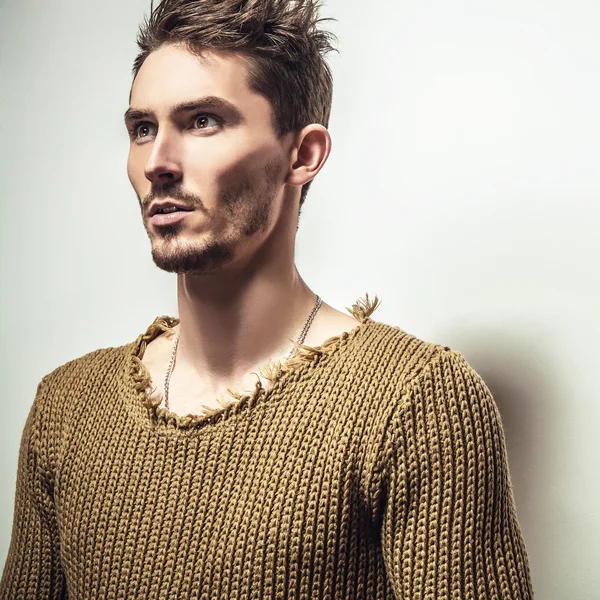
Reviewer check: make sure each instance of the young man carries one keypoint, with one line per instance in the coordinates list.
(263, 444)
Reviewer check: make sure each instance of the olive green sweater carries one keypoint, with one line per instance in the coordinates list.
(373, 467)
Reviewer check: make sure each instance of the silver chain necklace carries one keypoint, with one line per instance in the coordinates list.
(298, 341)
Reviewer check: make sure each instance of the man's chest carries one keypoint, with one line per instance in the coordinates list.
(277, 491)
(192, 396)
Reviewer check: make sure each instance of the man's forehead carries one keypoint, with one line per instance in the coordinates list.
(172, 73)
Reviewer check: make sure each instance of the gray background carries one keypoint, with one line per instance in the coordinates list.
(462, 188)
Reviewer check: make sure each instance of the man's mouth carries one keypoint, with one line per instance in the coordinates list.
(163, 211)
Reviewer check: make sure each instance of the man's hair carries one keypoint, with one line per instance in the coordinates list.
(280, 39)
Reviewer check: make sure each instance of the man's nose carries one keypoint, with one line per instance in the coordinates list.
(163, 162)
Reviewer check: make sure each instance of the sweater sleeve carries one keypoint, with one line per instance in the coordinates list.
(32, 568)
(449, 521)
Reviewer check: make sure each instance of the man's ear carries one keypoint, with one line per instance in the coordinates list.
(309, 154)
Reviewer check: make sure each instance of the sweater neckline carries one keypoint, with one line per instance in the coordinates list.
(304, 360)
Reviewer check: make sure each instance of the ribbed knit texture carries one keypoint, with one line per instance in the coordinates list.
(374, 467)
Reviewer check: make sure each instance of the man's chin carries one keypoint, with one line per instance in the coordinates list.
(211, 259)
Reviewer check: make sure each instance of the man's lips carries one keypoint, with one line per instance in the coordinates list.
(168, 218)
(168, 204)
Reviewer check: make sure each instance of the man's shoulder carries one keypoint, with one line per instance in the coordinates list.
(398, 355)
(406, 365)
(87, 370)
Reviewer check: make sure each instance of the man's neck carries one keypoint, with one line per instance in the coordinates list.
(227, 330)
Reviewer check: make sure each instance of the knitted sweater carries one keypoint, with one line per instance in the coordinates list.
(373, 467)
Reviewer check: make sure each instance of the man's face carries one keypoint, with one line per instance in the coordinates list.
(220, 157)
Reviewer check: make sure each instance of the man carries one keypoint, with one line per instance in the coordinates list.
(263, 444)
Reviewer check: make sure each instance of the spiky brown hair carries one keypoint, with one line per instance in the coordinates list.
(281, 40)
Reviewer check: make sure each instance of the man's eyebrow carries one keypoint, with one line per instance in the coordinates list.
(207, 102)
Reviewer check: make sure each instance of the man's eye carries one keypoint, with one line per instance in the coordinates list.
(203, 121)
(140, 130)
(143, 129)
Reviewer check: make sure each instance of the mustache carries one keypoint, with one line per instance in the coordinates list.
(175, 192)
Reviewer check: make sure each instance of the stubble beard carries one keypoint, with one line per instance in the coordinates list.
(249, 207)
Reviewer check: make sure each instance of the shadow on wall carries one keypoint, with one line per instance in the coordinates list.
(524, 379)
